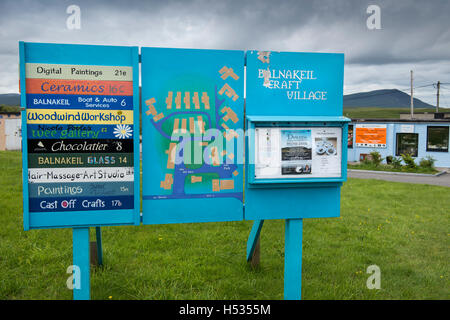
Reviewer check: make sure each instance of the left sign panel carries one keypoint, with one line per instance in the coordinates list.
(80, 135)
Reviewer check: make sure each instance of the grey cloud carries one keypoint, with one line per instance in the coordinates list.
(414, 34)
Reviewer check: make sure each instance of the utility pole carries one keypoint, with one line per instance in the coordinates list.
(412, 98)
(437, 96)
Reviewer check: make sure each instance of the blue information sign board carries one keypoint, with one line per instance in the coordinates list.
(80, 135)
(80, 128)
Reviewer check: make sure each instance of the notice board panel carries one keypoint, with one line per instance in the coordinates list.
(192, 135)
(298, 152)
(80, 128)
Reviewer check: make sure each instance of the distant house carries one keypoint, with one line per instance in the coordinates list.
(419, 137)
(10, 132)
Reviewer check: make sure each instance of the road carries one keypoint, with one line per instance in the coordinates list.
(442, 180)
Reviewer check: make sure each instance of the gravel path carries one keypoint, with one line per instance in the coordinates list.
(442, 180)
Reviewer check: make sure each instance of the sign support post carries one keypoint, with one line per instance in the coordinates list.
(293, 259)
(98, 235)
(253, 239)
(81, 263)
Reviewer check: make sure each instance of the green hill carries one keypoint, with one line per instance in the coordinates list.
(380, 113)
(386, 98)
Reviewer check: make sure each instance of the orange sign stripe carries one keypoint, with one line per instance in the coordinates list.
(79, 87)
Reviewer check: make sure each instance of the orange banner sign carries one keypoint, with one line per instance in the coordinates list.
(370, 135)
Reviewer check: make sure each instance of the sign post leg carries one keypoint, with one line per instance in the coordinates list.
(253, 239)
(293, 259)
(255, 259)
(81, 290)
(98, 235)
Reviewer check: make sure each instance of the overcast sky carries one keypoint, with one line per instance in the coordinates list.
(414, 35)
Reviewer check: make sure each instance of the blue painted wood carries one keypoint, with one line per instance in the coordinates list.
(69, 219)
(81, 259)
(135, 61)
(98, 236)
(270, 119)
(344, 151)
(23, 104)
(253, 238)
(78, 54)
(323, 72)
(292, 203)
(293, 259)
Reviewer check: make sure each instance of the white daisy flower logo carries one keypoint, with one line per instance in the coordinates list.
(122, 131)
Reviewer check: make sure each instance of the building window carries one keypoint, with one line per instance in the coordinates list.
(350, 136)
(407, 143)
(437, 139)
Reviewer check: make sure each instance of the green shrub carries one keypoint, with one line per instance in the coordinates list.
(376, 158)
(409, 161)
(396, 162)
(427, 162)
(389, 159)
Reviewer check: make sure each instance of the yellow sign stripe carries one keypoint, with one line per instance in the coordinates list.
(52, 116)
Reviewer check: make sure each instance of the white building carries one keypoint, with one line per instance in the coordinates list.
(10, 132)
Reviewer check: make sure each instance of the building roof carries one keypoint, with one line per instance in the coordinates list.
(445, 120)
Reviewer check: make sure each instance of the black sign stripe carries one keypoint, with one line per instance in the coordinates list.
(80, 146)
(70, 160)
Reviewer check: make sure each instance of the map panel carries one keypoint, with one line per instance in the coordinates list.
(192, 133)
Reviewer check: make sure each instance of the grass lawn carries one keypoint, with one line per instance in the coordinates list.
(402, 228)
